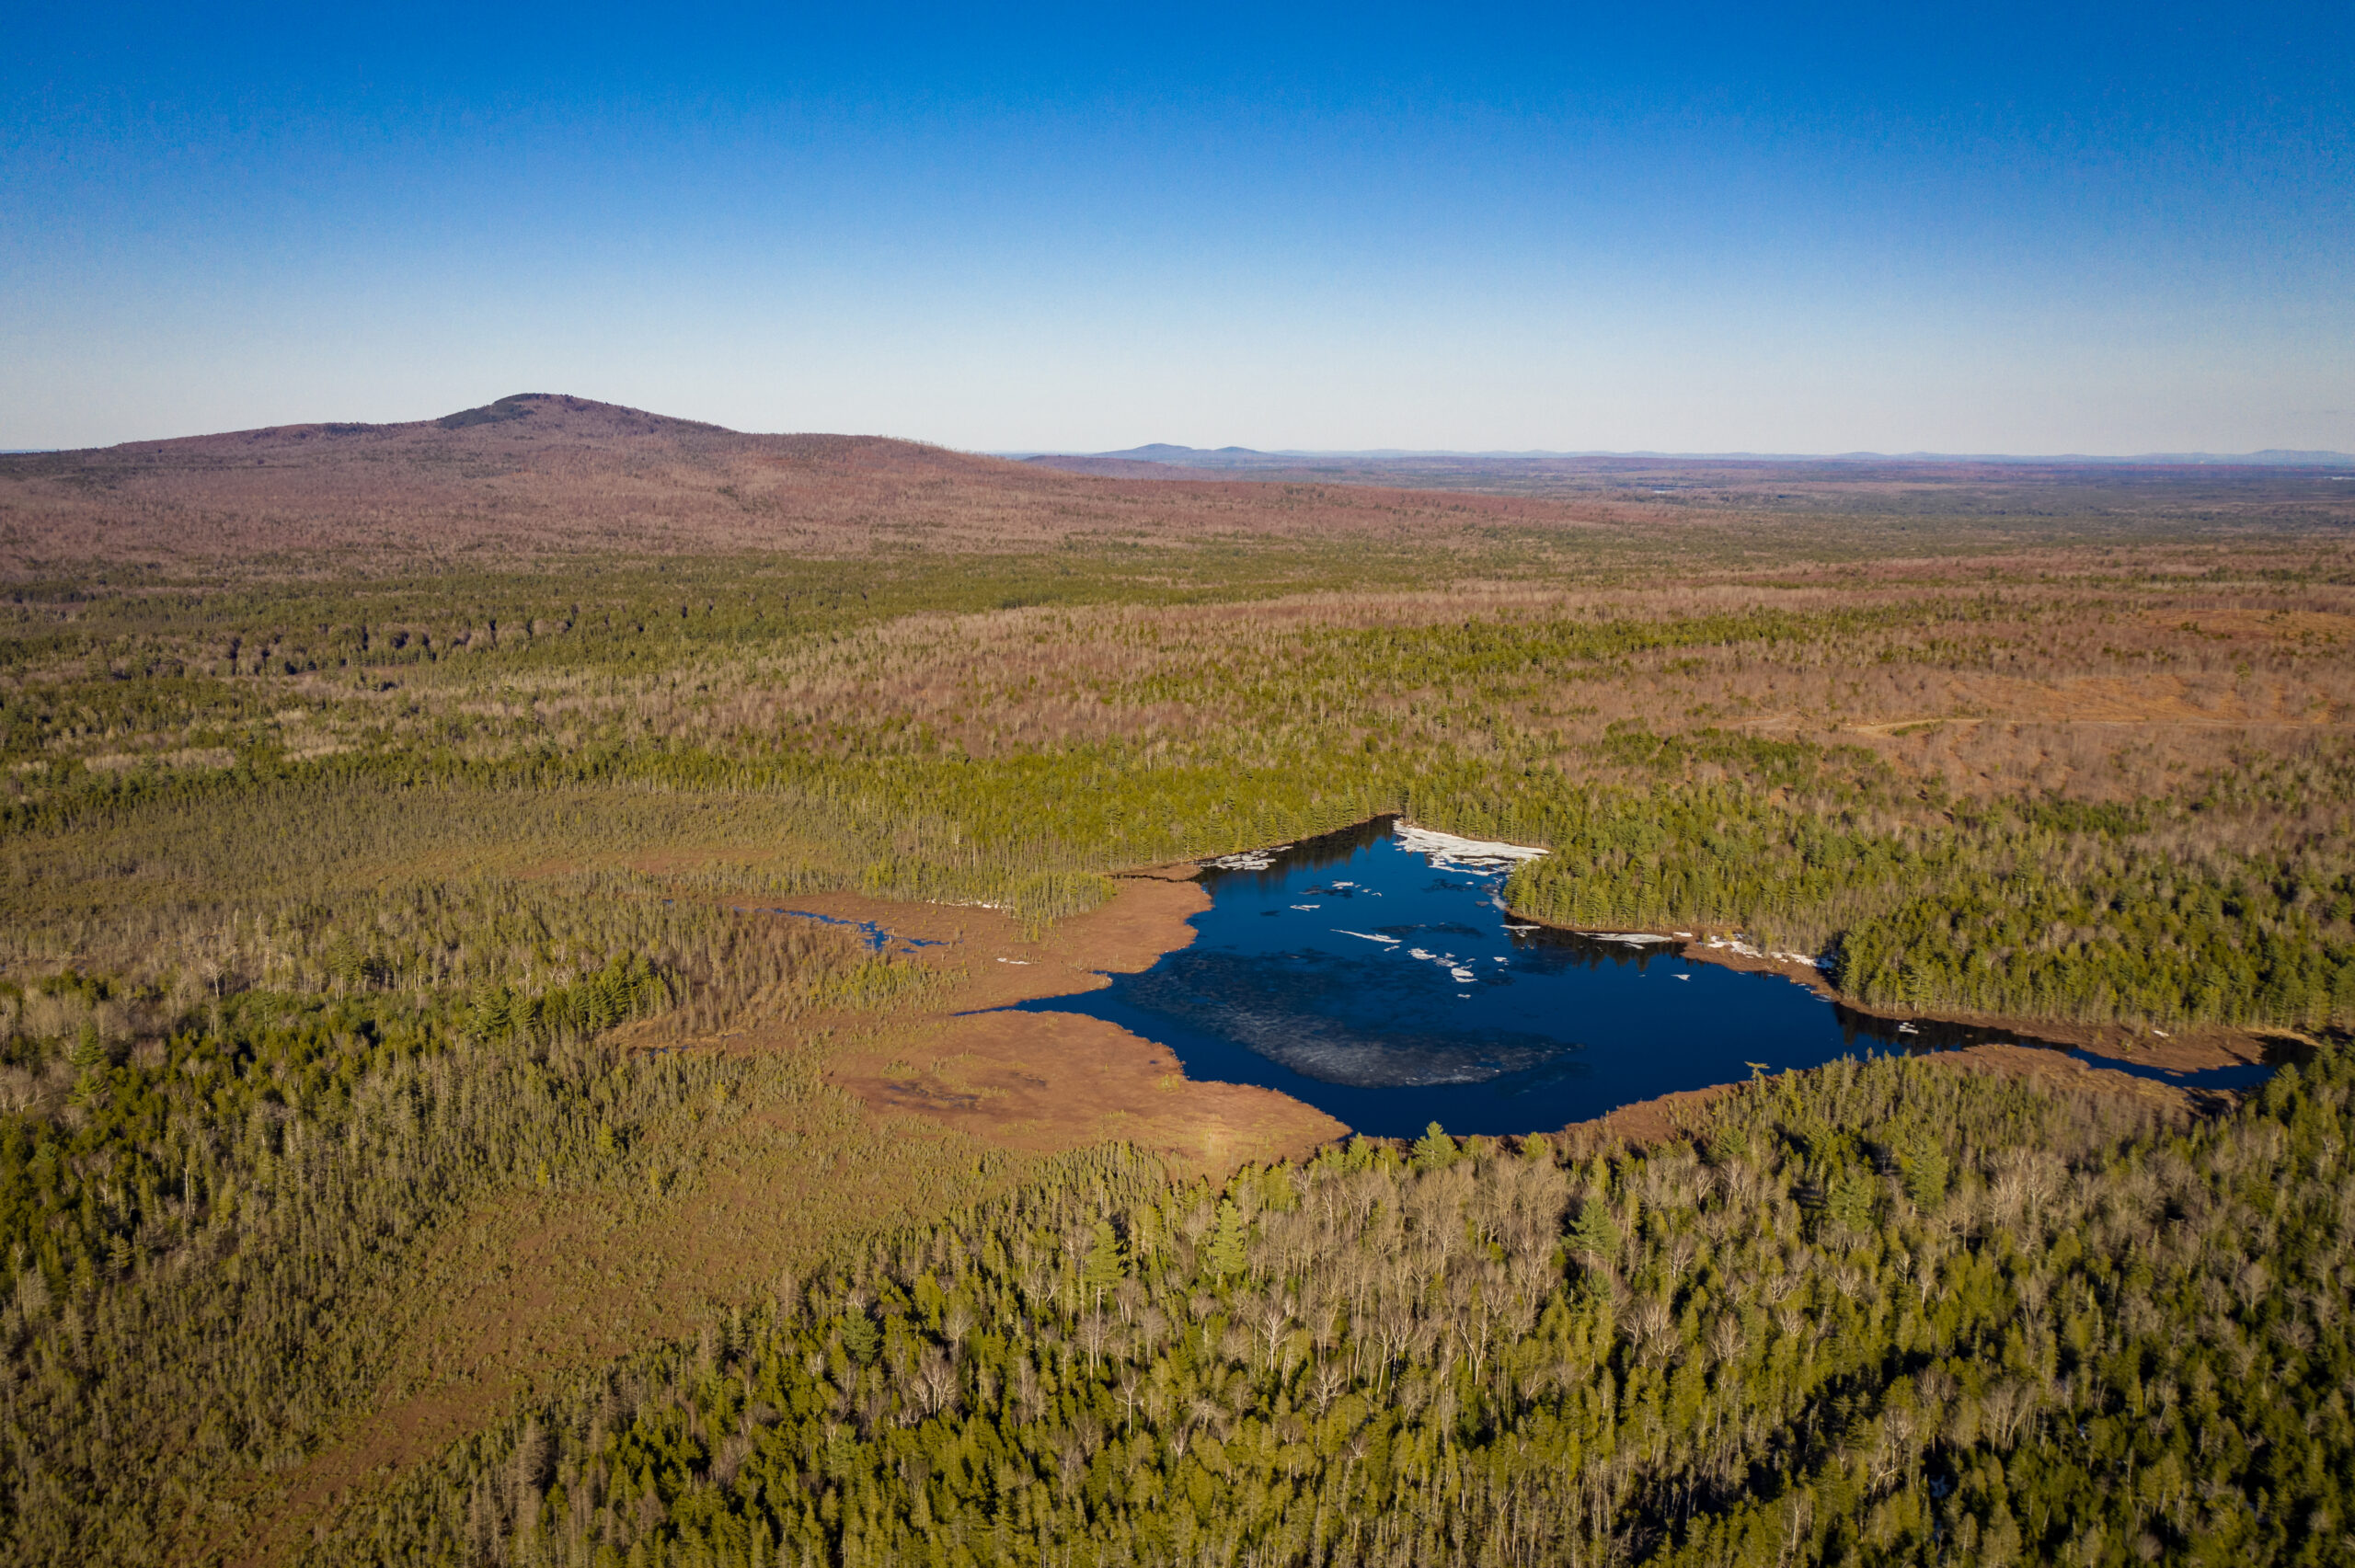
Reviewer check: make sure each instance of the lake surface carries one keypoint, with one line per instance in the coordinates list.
(1377, 977)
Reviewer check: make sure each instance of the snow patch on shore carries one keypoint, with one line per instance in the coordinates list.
(1448, 853)
(1736, 944)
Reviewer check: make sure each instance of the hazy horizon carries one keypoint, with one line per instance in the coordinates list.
(2278, 454)
(2287, 455)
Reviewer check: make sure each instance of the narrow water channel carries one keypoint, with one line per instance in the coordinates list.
(1375, 975)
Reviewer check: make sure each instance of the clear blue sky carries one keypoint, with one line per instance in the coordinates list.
(2049, 228)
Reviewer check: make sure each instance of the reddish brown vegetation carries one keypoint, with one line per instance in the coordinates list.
(536, 474)
(1045, 1082)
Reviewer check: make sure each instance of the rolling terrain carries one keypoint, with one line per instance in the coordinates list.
(435, 1125)
(2272, 489)
(531, 477)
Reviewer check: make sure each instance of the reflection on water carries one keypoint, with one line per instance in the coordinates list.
(1333, 1017)
(1377, 977)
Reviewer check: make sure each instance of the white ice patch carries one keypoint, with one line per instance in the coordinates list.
(1632, 938)
(1736, 944)
(1448, 853)
(1458, 969)
(1308, 906)
(1368, 936)
(1249, 860)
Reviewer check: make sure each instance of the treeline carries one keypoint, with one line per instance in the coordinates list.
(2146, 942)
(2030, 909)
(1496, 657)
(134, 650)
(1882, 1313)
(1033, 833)
(2100, 911)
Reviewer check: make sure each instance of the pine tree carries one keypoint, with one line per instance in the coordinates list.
(1107, 1263)
(1921, 1162)
(861, 1338)
(1848, 1206)
(1434, 1151)
(1227, 1251)
(1594, 1237)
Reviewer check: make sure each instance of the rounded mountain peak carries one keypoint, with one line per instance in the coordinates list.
(573, 415)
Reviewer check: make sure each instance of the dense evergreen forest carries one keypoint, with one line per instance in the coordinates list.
(365, 938)
(1892, 1313)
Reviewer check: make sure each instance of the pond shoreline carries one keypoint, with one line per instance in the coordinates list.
(2198, 1048)
(994, 1073)
(2145, 1052)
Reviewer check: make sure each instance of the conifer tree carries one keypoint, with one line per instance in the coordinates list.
(1228, 1252)
(1107, 1263)
(1595, 1237)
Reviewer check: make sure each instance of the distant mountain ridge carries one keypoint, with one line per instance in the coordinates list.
(537, 475)
(534, 474)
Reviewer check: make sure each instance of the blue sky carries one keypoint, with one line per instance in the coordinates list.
(2060, 228)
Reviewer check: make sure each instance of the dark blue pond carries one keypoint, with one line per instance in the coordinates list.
(1385, 985)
